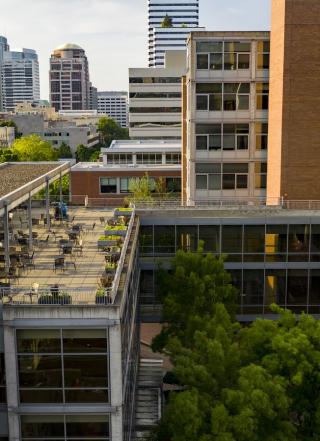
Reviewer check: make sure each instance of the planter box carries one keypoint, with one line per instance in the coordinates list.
(116, 232)
(123, 211)
(55, 300)
(107, 242)
(102, 300)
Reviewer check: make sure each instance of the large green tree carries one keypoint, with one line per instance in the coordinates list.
(33, 148)
(109, 130)
(64, 151)
(260, 382)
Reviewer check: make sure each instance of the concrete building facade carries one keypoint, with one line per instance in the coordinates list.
(115, 105)
(155, 99)
(294, 123)
(183, 13)
(108, 181)
(7, 137)
(69, 78)
(225, 116)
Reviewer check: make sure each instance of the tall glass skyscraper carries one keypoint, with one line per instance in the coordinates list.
(185, 18)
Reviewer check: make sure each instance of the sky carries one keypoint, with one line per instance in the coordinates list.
(112, 32)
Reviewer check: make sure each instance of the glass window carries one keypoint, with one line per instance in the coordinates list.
(146, 239)
(108, 185)
(253, 289)
(235, 168)
(243, 61)
(228, 182)
(263, 59)
(124, 185)
(87, 425)
(216, 61)
(314, 295)
(202, 102)
(84, 340)
(261, 136)
(38, 341)
(215, 102)
(254, 236)
(315, 243)
(202, 61)
(42, 426)
(231, 239)
(299, 236)
(40, 371)
(201, 182)
(208, 167)
(214, 182)
(297, 288)
(164, 239)
(230, 61)
(86, 396)
(276, 243)
(202, 142)
(86, 371)
(275, 283)
(209, 46)
(262, 92)
(40, 396)
(237, 46)
(187, 238)
(210, 235)
(147, 287)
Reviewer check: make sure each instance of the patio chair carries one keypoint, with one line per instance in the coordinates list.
(44, 242)
(102, 220)
(58, 264)
(79, 247)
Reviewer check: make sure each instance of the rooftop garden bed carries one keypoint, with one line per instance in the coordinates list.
(119, 230)
(125, 211)
(109, 241)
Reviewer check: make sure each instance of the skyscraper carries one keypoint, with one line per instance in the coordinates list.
(19, 73)
(184, 15)
(114, 104)
(69, 78)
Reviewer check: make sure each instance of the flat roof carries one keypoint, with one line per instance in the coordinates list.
(101, 167)
(143, 143)
(20, 179)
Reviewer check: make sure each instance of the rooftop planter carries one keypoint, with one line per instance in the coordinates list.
(58, 299)
(109, 241)
(110, 268)
(125, 211)
(102, 297)
(118, 230)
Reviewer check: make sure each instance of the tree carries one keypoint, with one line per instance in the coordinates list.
(190, 292)
(109, 130)
(167, 22)
(255, 383)
(33, 148)
(64, 151)
(141, 189)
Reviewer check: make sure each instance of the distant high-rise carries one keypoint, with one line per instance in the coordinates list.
(69, 78)
(184, 16)
(19, 74)
(114, 104)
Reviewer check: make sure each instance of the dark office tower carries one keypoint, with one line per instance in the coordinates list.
(69, 78)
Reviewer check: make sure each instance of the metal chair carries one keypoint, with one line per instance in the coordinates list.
(58, 264)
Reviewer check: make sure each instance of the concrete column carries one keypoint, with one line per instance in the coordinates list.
(116, 381)
(11, 382)
(48, 204)
(60, 188)
(6, 236)
(30, 223)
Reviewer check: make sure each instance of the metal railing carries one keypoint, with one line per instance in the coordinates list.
(116, 280)
(54, 296)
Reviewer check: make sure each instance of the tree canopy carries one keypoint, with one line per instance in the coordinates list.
(64, 151)
(109, 130)
(255, 383)
(33, 148)
(167, 22)
(87, 154)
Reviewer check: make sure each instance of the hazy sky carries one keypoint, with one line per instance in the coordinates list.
(112, 32)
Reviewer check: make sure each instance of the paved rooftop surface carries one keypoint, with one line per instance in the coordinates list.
(82, 272)
(14, 176)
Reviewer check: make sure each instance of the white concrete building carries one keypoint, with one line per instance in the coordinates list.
(165, 39)
(7, 137)
(115, 105)
(155, 99)
(183, 13)
(226, 124)
(19, 77)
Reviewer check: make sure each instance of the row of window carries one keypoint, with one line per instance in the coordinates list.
(155, 95)
(230, 96)
(248, 243)
(65, 427)
(143, 158)
(229, 136)
(62, 366)
(228, 176)
(231, 55)
(296, 289)
(154, 80)
(110, 185)
(145, 125)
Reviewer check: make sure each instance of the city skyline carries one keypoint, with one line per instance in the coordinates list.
(100, 30)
